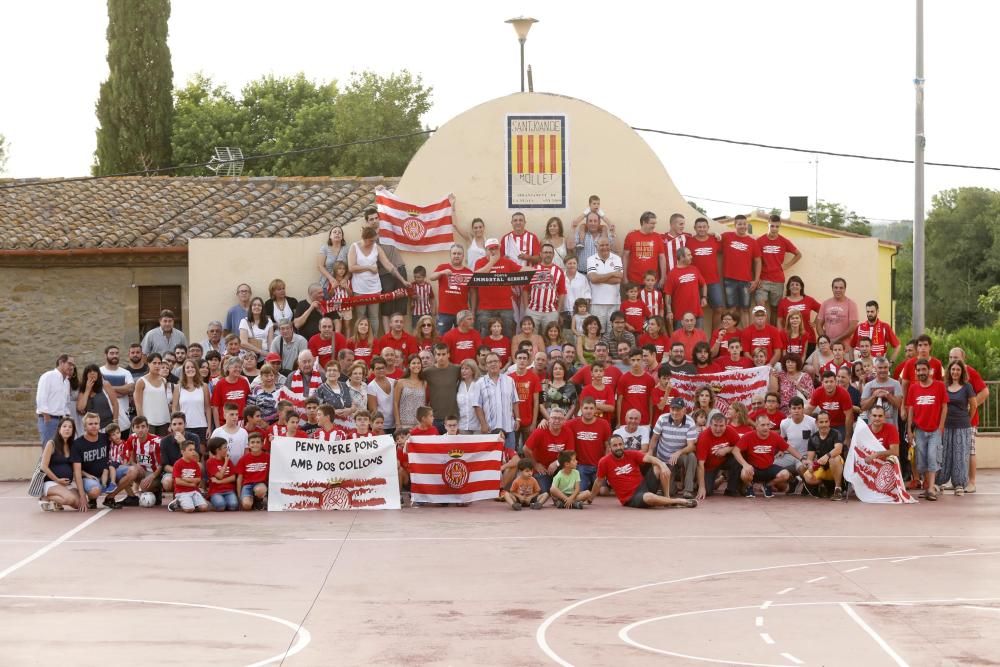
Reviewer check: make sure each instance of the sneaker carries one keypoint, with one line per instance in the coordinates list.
(792, 487)
(536, 505)
(838, 494)
(578, 505)
(131, 501)
(687, 495)
(731, 494)
(516, 506)
(948, 487)
(159, 498)
(560, 504)
(92, 504)
(112, 504)
(749, 492)
(959, 491)
(970, 488)
(768, 491)
(109, 488)
(173, 505)
(46, 505)
(260, 503)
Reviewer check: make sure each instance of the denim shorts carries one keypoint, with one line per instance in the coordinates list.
(716, 296)
(737, 293)
(587, 476)
(928, 448)
(247, 490)
(91, 484)
(769, 293)
(224, 501)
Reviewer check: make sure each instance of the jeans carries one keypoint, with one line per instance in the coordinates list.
(47, 429)
(224, 501)
(445, 323)
(587, 476)
(929, 446)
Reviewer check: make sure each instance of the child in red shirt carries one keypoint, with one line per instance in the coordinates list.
(425, 422)
(252, 471)
(635, 311)
(187, 481)
(651, 297)
(221, 477)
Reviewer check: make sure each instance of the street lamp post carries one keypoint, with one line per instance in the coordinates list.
(522, 25)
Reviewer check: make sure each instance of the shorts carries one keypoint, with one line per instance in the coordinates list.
(190, 500)
(247, 490)
(91, 484)
(789, 463)
(716, 296)
(928, 446)
(650, 484)
(769, 293)
(49, 484)
(121, 470)
(737, 293)
(544, 481)
(823, 474)
(765, 475)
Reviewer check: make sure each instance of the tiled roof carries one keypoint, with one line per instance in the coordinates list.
(166, 212)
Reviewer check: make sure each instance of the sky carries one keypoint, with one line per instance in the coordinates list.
(825, 75)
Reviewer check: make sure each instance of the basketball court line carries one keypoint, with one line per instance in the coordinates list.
(52, 544)
(303, 636)
(874, 635)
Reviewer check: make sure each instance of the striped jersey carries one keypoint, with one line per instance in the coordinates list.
(653, 300)
(544, 298)
(671, 243)
(513, 245)
(421, 299)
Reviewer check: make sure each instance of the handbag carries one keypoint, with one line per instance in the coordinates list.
(37, 482)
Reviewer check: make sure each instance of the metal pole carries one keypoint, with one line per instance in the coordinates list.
(522, 64)
(918, 182)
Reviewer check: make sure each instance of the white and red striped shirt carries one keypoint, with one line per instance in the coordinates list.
(330, 436)
(653, 300)
(671, 243)
(514, 245)
(545, 298)
(147, 452)
(333, 304)
(122, 452)
(296, 388)
(421, 299)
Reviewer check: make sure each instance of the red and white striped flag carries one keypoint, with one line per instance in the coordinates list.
(454, 468)
(414, 228)
(729, 386)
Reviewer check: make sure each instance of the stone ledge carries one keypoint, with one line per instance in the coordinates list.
(18, 459)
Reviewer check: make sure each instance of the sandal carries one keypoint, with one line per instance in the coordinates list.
(959, 491)
(931, 494)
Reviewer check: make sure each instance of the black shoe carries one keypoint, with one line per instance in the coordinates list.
(159, 498)
(731, 494)
(258, 503)
(111, 503)
(768, 491)
(793, 486)
(92, 503)
(130, 501)
(749, 492)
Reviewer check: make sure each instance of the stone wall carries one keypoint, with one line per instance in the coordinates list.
(48, 310)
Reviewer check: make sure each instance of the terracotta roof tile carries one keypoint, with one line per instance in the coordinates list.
(163, 211)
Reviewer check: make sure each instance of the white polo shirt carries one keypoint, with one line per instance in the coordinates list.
(604, 293)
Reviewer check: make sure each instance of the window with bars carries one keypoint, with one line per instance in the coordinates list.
(153, 299)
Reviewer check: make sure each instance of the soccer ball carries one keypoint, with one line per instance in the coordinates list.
(147, 499)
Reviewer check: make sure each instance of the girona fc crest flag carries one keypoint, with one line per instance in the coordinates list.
(454, 468)
(414, 228)
(880, 481)
(729, 386)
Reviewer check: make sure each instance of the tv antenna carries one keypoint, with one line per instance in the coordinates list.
(227, 161)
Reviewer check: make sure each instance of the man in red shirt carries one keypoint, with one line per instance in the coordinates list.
(635, 389)
(495, 302)
(673, 239)
(684, 291)
(927, 408)
(602, 354)
(982, 393)
(452, 297)
(762, 334)
(908, 373)
(714, 450)
(688, 335)
(740, 267)
(705, 254)
(590, 436)
(602, 392)
(528, 386)
(754, 459)
(880, 333)
(773, 249)
(231, 388)
(463, 340)
(327, 342)
(887, 434)
(544, 445)
(770, 410)
(735, 360)
(397, 338)
(622, 470)
(644, 251)
(835, 401)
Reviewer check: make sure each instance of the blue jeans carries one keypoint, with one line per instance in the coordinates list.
(587, 476)
(544, 481)
(737, 293)
(224, 501)
(716, 296)
(929, 450)
(445, 323)
(47, 429)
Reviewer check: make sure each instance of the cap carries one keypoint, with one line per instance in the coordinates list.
(492, 243)
(677, 402)
(273, 358)
(759, 309)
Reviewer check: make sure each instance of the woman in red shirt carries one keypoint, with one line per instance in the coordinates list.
(425, 333)
(656, 334)
(796, 299)
(739, 418)
(362, 342)
(799, 339)
(725, 333)
(497, 342)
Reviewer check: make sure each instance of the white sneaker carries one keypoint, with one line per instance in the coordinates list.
(46, 506)
(948, 487)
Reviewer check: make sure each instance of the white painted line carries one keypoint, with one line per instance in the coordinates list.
(302, 640)
(767, 603)
(52, 545)
(767, 638)
(18, 498)
(856, 569)
(960, 551)
(813, 581)
(791, 658)
(786, 590)
(972, 606)
(759, 621)
(903, 560)
(874, 635)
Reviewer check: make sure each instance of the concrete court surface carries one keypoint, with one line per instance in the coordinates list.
(781, 581)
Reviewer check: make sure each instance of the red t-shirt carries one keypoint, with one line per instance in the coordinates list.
(704, 255)
(589, 440)
(803, 307)
(772, 256)
(122, 452)
(770, 338)
(325, 350)
(635, 313)
(254, 467)
(496, 298)
(527, 386)
(624, 475)
(147, 452)
(544, 445)
(584, 378)
(837, 405)
(644, 251)
(363, 351)
(688, 340)
(709, 445)
(635, 390)
(462, 345)
(798, 344)
(213, 466)
(775, 418)
(657, 397)
(683, 286)
(418, 430)
(976, 380)
(888, 436)
(760, 452)
(452, 299)
(909, 372)
(731, 334)
(231, 392)
(605, 397)
(927, 403)
(402, 458)
(501, 347)
(186, 470)
(662, 343)
(880, 333)
(738, 254)
(405, 344)
(726, 363)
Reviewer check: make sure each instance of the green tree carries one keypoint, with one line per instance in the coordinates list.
(205, 116)
(135, 106)
(693, 204)
(836, 216)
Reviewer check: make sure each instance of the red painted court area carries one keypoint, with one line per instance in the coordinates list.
(781, 581)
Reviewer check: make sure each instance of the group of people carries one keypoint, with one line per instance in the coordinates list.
(582, 391)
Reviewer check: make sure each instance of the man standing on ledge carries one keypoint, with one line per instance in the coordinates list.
(52, 397)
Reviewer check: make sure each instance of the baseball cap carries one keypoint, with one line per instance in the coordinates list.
(759, 309)
(273, 358)
(677, 402)
(492, 243)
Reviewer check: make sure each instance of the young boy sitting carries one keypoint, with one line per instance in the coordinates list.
(221, 479)
(117, 458)
(187, 481)
(565, 489)
(251, 474)
(524, 490)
